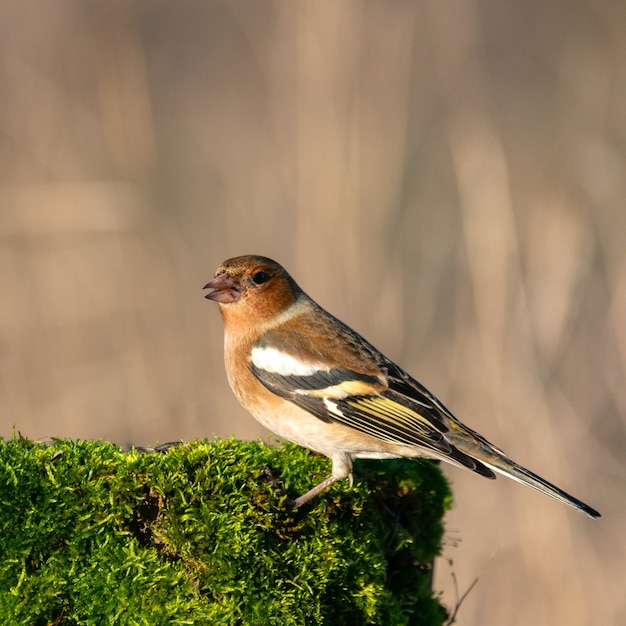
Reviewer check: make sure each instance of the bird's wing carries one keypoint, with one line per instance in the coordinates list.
(375, 397)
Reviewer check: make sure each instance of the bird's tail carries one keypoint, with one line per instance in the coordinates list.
(507, 467)
(478, 448)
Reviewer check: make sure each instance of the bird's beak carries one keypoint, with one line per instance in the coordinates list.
(226, 289)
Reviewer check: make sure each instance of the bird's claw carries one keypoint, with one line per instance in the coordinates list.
(278, 485)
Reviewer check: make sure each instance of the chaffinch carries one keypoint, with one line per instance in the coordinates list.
(311, 379)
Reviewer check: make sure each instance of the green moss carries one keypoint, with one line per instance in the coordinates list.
(93, 535)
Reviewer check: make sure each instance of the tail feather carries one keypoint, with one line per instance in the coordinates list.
(507, 467)
(483, 452)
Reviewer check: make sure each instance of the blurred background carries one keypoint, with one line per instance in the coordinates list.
(447, 178)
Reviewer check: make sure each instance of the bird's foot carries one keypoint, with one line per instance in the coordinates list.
(278, 485)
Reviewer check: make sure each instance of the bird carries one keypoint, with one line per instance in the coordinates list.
(312, 380)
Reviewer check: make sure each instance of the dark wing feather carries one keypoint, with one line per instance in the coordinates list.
(401, 414)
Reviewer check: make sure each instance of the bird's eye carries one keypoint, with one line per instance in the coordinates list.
(260, 277)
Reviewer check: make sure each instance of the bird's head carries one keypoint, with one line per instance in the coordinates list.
(253, 288)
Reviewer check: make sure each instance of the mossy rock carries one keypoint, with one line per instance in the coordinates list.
(91, 534)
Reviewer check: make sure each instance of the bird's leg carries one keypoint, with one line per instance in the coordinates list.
(305, 497)
(342, 468)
